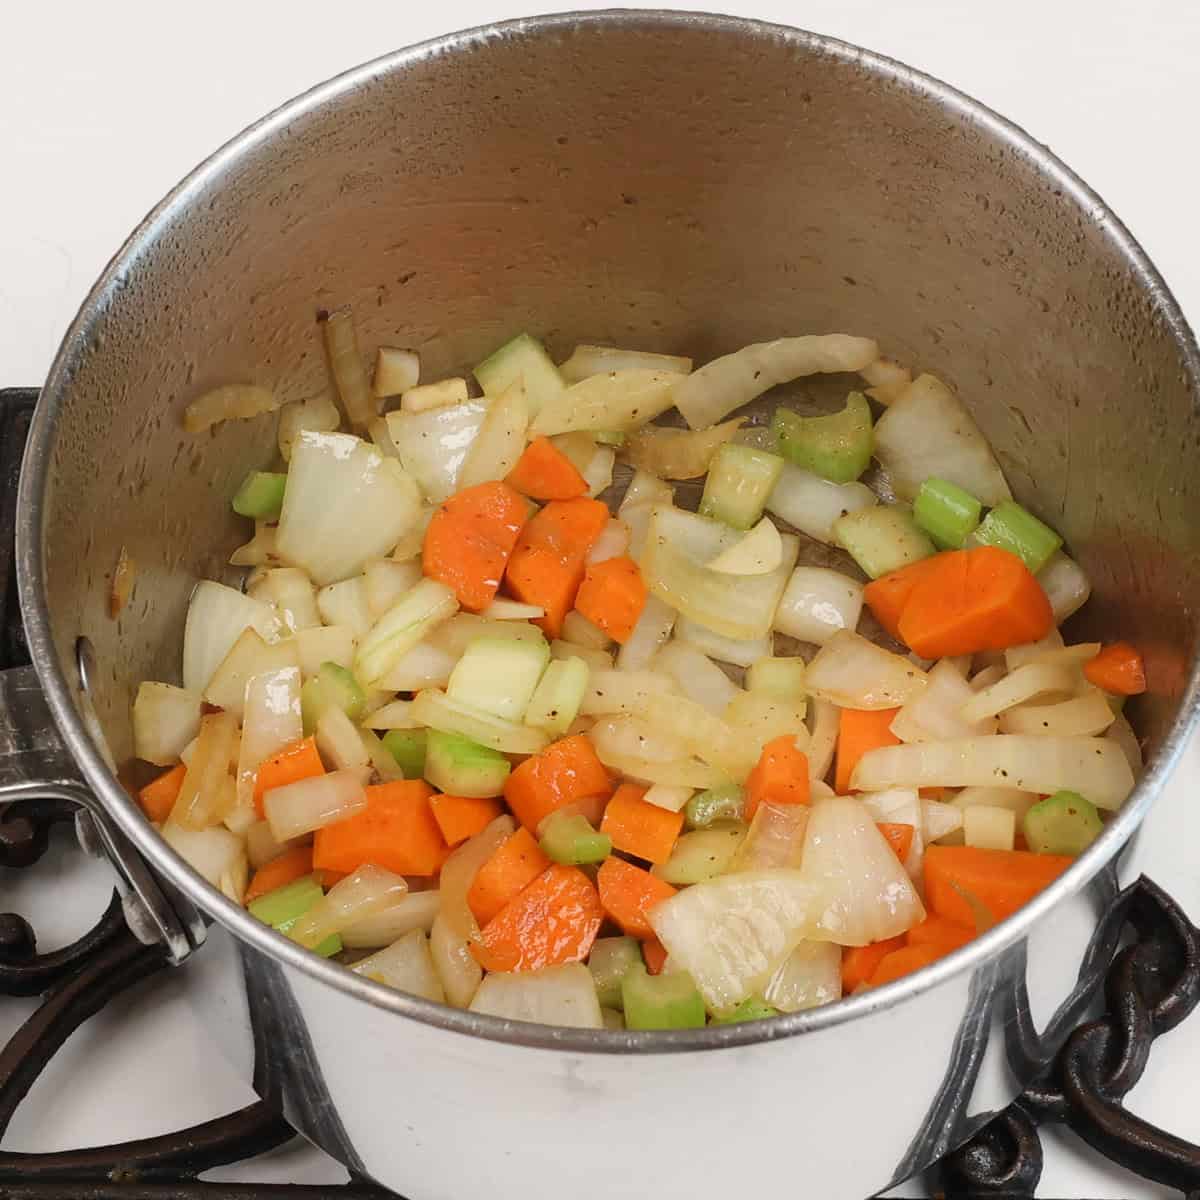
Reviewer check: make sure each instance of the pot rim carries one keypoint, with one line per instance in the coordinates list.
(106, 292)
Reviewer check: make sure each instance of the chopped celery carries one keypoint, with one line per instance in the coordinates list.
(523, 358)
(778, 679)
(570, 838)
(882, 539)
(609, 962)
(283, 907)
(499, 675)
(702, 854)
(331, 687)
(946, 512)
(1014, 528)
(750, 1009)
(726, 802)
(608, 437)
(261, 496)
(556, 699)
(739, 481)
(461, 767)
(669, 1001)
(1064, 823)
(837, 447)
(407, 747)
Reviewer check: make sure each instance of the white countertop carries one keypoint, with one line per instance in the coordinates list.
(104, 107)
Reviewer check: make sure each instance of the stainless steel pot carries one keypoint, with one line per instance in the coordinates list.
(688, 183)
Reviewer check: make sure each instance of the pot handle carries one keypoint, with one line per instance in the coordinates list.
(35, 762)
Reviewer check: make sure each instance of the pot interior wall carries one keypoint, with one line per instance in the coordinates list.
(652, 184)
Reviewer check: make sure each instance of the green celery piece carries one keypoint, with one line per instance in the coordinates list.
(837, 447)
(739, 482)
(569, 838)
(608, 437)
(283, 907)
(1016, 529)
(1064, 823)
(882, 538)
(610, 960)
(750, 1009)
(948, 513)
(461, 767)
(331, 687)
(726, 802)
(668, 1001)
(260, 496)
(702, 854)
(407, 747)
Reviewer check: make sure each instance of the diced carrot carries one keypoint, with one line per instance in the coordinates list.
(612, 595)
(547, 563)
(899, 836)
(1118, 669)
(944, 935)
(887, 595)
(779, 777)
(1001, 880)
(544, 472)
(554, 920)
(158, 797)
(511, 868)
(984, 598)
(296, 761)
(654, 954)
(903, 962)
(566, 772)
(470, 539)
(396, 831)
(641, 829)
(291, 864)
(462, 817)
(858, 732)
(859, 962)
(628, 893)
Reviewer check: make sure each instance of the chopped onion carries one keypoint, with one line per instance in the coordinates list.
(677, 453)
(696, 676)
(861, 892)
(209, 852)
(853, 672)
(1025, 683)
(996, 797)
(271, 720)
(1094, 767)
(1121, 732)
(594, 660)
(636, 739)
(758, 552)
(940, 819)
(649, 634)
(412, 541)
(459, 871)
(438, 711)
(563, 995)
(396, 715)
(816, 603)
(216, 617)
(611, 691)
(903, 807)
(731, 933)
(363, 893)
(165, 719)
(679, 544)
(503, 609)
(456, 966)
(435, 395)
(717, 388)
(887, 378)
(1065, 584)
(339, 742)
(822, 738)
(588, 360)
(809, 977)
(989, 828)
(1030, 652)
(406, 623)
(1082, 716)
(413, 910)
(405, 965)
(395, 371)
(261, 846)
(936, 713)
(501, 438)
(463, 628)
(763, 718)
(928, 431)
(615, 401)
(663, 795)
(645, 487)
(313, 803)
(207, 792)
(775, 838)
(317, 414)
(290, 591)
(345, 604)
(248, 656)
(385, 581)
(235, 879)
(345, 503)
(986, 677)
(346, 366)
(708, 737)
(426, 665)
(259, 551)
(812, 504)
(582, 632)
(433, 445)
(233, 401)
(628, 747)
(598, 474)
(741, 651)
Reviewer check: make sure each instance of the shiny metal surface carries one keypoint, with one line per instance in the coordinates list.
(688, 183)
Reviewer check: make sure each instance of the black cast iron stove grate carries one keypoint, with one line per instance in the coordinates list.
(1152, 985)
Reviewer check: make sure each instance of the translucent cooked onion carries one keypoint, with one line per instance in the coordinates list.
(612, 543)
(615, 401)
(887, 378)
(1120, 732)
(413, 910)
(598, 474)
(259, 551)
(396, 371)
(758, 552)
(345, 604)
(405, 965)
(651, 632)
(852, 672)
(563, 995)
(695, 675)
(860, 892)
(433, 445)
(209, 852)
(363, 893)
(216, 617)
(346, 366)
(812, 504)
(386, 580)
(290, 591)
(588, 360)
(248, 656)
(1094, 767)
(678, 453)
(578, 629)
(395, 715)
(455, 964)
(1023, 684)
(414, 615)
(501, 438)
(901, 806)
(742, 652)
(208, 791)
(427, 665)
(936, 713)
(165, 719)
(438, 711)
(271, 721)
(261, 846)
(1065, 584)
(503, 609)
(731, 933)
(317, 414)
(460, 869)
(1082, 716)
(634, 738)
(709, 738)
(940, 819)
(610, 691)
(775, 838)
(720, 386)
(233, 401)
(809, 977)
(628, 747)
(1029, 652)
(823, 734)
(311, 804)
(340, 742)
(761, 719)
(816, 603)
(594, 660)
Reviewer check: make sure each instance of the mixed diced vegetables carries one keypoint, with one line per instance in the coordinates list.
(497, 722)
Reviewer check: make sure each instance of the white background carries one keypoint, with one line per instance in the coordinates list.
(103, 107)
